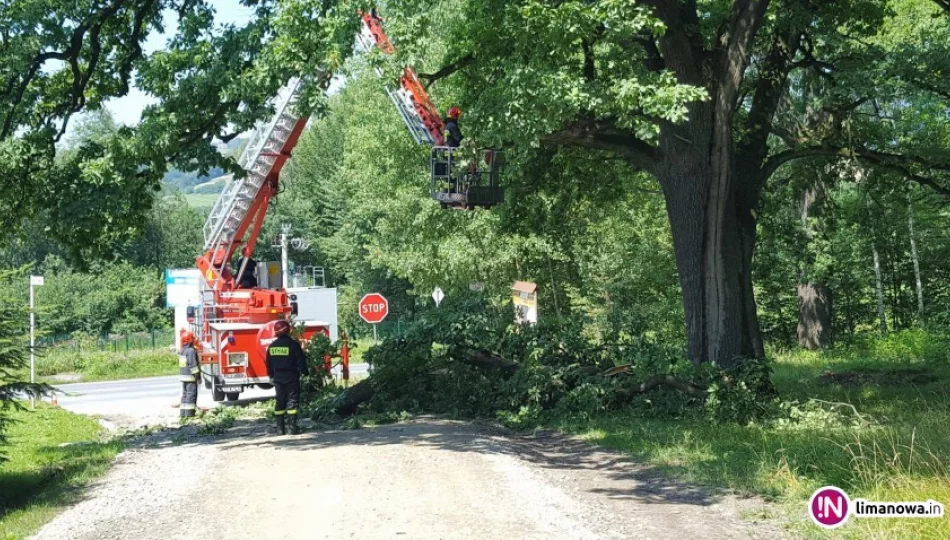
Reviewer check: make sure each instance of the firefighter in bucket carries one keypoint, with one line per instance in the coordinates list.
(286, 363)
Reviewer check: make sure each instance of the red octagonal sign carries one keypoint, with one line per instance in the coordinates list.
(374, 308)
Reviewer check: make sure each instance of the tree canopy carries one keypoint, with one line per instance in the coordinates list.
(706, 102)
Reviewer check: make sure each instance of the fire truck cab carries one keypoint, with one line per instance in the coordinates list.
(233, 355)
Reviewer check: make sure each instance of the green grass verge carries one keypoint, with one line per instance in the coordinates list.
(106, 365)
(41, 477)
(901, 384)
(358, 348)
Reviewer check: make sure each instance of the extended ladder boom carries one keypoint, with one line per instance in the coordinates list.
(263, 158)
(410, 99)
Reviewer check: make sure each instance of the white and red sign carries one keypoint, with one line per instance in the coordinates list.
(373, 308)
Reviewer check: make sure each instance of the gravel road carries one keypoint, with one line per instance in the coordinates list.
(428, 478)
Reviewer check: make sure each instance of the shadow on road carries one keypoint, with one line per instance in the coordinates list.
(245, 401)
(548, 450)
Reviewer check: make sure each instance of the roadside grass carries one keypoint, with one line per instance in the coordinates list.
(900, 385)
(94, 366)
(41, 477)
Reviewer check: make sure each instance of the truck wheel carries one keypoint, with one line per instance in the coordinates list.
(233, 396)
(217, 394)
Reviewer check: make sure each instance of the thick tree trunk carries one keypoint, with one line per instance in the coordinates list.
(697, 180)
(752, 345)
(713, 229)
(815, 316)
(815, 307)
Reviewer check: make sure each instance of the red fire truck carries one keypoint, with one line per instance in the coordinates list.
(235, 321)
(235, 324)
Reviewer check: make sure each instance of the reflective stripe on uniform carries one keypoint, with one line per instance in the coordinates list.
(186, 378)
(279, 413)
(187, 406)
(280, 351)
(195, 370)
(292, 411)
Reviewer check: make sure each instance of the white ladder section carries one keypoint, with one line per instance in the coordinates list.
(258, 158)
(402, 100)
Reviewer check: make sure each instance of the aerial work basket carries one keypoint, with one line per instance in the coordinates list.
(461, 178)
(466, 178)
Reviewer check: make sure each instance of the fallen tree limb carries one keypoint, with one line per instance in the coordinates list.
(667, 380)
(845, 406)
(363, 391)
(489, 360)
(354, 396)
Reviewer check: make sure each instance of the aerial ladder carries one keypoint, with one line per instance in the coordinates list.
(235, 325)
(460, 178)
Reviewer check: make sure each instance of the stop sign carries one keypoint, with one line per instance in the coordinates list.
(374, 308)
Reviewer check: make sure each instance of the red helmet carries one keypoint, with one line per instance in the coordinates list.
(281, 327)
(454, 112)
(186, 337)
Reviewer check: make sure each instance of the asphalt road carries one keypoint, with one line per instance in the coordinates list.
(145, 398)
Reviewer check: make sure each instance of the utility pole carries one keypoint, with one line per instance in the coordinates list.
(35, 281)
(284, 266)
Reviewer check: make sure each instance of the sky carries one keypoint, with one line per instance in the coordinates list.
(128, 109)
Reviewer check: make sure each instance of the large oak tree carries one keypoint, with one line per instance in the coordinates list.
(711, 98)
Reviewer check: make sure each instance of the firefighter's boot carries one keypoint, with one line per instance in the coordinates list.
(294, 430)
(281, 425)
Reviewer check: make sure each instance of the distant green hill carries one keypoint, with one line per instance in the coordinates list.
(215, 185)
(188, 182)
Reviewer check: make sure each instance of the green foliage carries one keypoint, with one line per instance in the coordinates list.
(908, 346)
(815, 415)
(60, 60)
(870, 424)
(110, 298)
(357, 190)
(54, 453)
(95, 365)
(14, 354)
(847, 221)
(738, 395)
(317, 376)
(473, 361)
(217, 421)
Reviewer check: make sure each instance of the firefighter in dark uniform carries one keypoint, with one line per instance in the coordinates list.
(286, 363)
(188, 374)
(453, 134)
